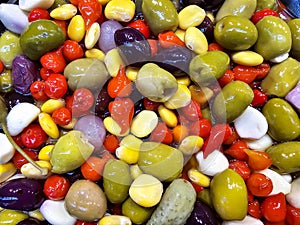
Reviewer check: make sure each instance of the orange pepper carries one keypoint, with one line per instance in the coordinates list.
(169, 39)
(120, 85)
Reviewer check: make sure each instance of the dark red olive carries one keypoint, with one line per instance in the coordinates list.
(202, 214)
(14, 98)
(102, 100)
(207, 28)
(29, 221)
(133, 46)
(22, 194)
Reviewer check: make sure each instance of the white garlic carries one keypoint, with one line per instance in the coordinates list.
(260, 144)
(7, 150)
(248, 220)
(28, 5)
(294, 196)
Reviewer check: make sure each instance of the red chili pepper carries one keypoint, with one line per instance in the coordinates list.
(292, 215)
(259, 184)
(258, 160)
(246, 74)
(258, 15)
(273, 208)
(33, 136)
(169, 39)
(241, 167)
(122, 110)
(37, 14)
(120, 85)
(254, 209)
(91, 11)
(226, 78)
(141, 26)
(161, 134)
(54, 61)
(259, 99)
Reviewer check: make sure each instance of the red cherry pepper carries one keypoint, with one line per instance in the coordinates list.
(241, 167)
(33, 136)
(72, 50)
(122, 110)
(273, 208)
(80, 102)
(54, 61)
(56, 187)
(141, 26)
(259, 184)
(254, 209)
(292, 215)
(259, 99)
(200, 127)
(37, 14)
(236, 150)
(19, 160)
(37, 90)
(226, 78)
(263, 70)
(120, 85)
(168, 39)
(62, 116)
(91, 11)
(56, 86)
(246, 74)
(258, 15)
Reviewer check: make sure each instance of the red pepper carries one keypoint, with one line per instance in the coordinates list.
(141, 26)
(258, 160)
(263, 70)
(226, 78)
(259, 99)
(91, 11)
(54, 61)
(246, 74)
(161, 134)
(120, 85)
(192, 111)
(254, 209)
(241, 167)
(292, 215)
(169, 39)
(122, 110)
(258, 15)
(273, 208)
(236, 150)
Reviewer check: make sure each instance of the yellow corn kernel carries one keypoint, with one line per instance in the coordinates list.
(128, 151)
(92, 35)
(30, 171)
(180, 33)
(36, 214)
(247, 58)
(76, 28)
(131, 73)
(114, 219)
(51, 105)
(113, 61)
(95, 53)
(185, 80)
(199, 178)
(48, 125)
(191, 16)
(135, 171)
(45, 152)
(64, 12)
(181, 98)
(195, 40)
(168, 116)
(190, 145)
(122, 11)
(6, 171)
(113, 127)
(144, 123)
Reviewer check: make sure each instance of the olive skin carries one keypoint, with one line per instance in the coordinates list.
(282, 78)
(235, 33)
(8, 216)
(230, 203)
(294, 25)
(274, 37)
(39, 37)
(160, 15)
(284, 124)
(285, 156)
(232, 101)
(86, 201)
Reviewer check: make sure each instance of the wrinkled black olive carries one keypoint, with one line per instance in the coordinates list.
(133, 47)
(13, 98)
(175, 60)
(24, 73)
(207, 27)
(202, 214)
(207, 5)
(22, 194)
(102, 100)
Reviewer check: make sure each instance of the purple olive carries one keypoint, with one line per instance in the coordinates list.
(22, 194)
(106, 40)
(202, 214)
(133, 46)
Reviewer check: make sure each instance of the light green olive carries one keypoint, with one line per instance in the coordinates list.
(235, 33)
(294, 25)
(234, 98)
(229, 195)
(282, 78)
(283, 121)
(274, 37)
(12, 217)
(262, 4)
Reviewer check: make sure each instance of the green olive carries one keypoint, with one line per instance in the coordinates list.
(10, 47)
(160, 15)
(6, 83)
(284, 124)
(282, 78)
(262, 4)
(8, 216)
(286, 156)
(231, 102)
(70, 151)
(116, 180)
(294, 25)
(89, 73)
(229, 195)
(41, 36)
(86, 201)
(274, 37)
(207, 68)
(156, 83)
(160, 160)
(244, 8)
(136, 213)
(235, 33)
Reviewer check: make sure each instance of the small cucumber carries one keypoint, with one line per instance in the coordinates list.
(176, 204)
